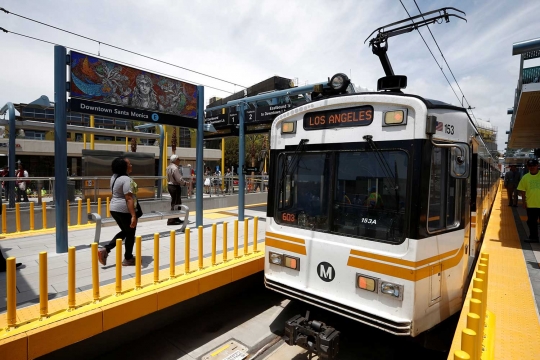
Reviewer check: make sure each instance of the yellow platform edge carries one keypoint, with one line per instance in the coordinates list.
(35, 338)
(512, 320)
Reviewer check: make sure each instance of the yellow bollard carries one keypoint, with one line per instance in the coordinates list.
(71, 277)
(475, 306)
(468, 342)
(461, 355)
(186, 250)
(18, 217)
(235, 251)
(95, 273)
(44, 215)
(88, 207)
(255, 230)
(484, 268)
(480, 284)
(4, 218)
(156, 258)
(200, 247)
(32, 215)
(484, 256)
(118, 250)
(99, 206)
(474, 323)
(246, 236)
(108, 206)
(43, 286)
(224, 241)
(11, 289)
(138, 260)
(214, 228)
(172, 249)
(79, 212)
(68, 214)
(479, 295)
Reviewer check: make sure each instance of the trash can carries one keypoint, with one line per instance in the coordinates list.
(71, 191)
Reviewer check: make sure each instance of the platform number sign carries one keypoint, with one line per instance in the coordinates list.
(326, 272)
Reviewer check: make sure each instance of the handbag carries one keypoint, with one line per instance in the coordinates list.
(207, 182)
(138, 210)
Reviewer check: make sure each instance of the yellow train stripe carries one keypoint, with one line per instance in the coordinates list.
(298, 249)
(285, 237)
(414, 264)
(400, 272)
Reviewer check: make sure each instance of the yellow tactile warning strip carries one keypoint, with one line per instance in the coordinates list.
(510, 296)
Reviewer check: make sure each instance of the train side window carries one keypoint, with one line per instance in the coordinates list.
(444, 190)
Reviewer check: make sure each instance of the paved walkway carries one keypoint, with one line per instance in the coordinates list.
(26, 250)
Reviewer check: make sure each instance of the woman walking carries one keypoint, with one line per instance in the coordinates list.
(122, 207)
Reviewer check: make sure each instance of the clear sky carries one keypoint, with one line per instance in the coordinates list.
(248, 41)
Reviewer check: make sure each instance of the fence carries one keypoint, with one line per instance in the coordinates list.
(120, 288)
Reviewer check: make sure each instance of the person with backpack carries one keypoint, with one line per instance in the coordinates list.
(22, 184)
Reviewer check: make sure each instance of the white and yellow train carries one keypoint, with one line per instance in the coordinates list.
(377, 206)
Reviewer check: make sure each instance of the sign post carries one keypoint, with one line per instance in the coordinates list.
(60, 148)
(199, 180)
(241, 159)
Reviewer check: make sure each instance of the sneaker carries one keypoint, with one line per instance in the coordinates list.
(102, 256)
(130, 262)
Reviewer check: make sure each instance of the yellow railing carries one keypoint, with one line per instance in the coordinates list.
(477, 339)
(11, 283)
(31, 210)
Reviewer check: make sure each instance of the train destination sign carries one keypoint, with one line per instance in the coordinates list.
(130, 93)
(348, 117)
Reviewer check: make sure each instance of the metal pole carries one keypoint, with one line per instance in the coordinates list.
(11, 152)
(60, 148)
(160, 161)
(241, 158)
(200, 157)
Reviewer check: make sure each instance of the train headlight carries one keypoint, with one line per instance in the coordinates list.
(339, 82)
(392, 289)
(276, 259)
(397, 117)
(288, 127)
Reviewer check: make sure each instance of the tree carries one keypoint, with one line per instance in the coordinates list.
(133, 144)
(174, 141)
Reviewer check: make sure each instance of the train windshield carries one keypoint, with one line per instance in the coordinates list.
(352, 193)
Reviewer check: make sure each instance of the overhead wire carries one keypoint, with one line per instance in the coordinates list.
(446, 62)
(434, 58)
(119, 48)
(104, 57)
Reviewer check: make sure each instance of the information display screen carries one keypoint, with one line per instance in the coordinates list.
(337, 118)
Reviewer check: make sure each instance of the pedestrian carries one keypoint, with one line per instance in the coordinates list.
(22, 184)
(529, 189)
(217, 180)
(123, 210)
(207, 180)
(511, 182)
(174, 183)
(228, 180)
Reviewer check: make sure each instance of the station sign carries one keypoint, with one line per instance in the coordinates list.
(256, 120)
(102, 87)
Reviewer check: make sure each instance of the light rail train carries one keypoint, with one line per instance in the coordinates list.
(377, 206)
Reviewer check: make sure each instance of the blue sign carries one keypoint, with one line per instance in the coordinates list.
(155, 117)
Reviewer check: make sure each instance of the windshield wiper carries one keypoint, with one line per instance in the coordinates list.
(289, 167)
(389, 176)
